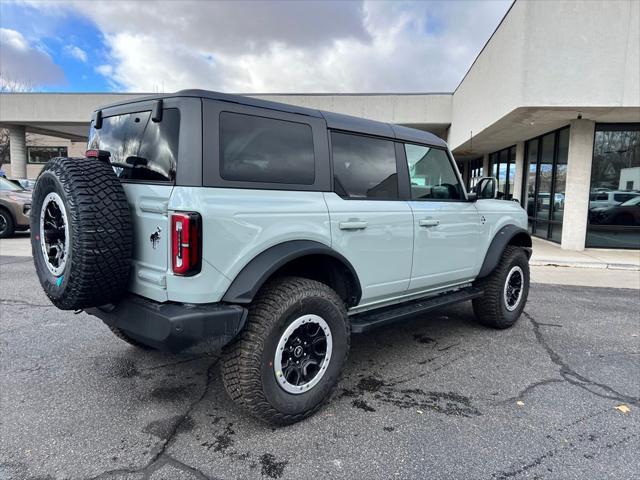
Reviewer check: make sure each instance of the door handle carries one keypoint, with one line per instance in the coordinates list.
(429, 222)
(355, 225)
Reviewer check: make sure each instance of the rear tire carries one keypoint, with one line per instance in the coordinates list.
(506, 290)
(81, 233)
(7, 225)
(126, 338)
(287, 360)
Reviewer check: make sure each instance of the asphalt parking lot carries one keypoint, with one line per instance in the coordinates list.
(438, 397)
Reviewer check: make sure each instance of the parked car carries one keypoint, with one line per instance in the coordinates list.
(15, 205)
(610, 198)
(627, 213)
(25, 183)
(273, 230)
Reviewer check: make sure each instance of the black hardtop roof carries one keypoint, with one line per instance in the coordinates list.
(336, 121)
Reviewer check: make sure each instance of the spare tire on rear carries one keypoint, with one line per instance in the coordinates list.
(81, 233)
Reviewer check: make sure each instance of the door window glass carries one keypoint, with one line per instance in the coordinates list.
(258, 149)
(364, 167)
(432, 175)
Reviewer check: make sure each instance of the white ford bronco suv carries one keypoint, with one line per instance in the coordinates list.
(272, 230)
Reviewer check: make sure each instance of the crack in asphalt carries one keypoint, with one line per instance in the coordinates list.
(161, 458)
(529, 388)
(573, 377)
(12, 302)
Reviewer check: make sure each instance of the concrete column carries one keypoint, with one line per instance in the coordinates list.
(519, 177)
(486, 171)
(18, 151)
(576, 203)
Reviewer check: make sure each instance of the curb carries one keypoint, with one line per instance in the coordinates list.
(609, 266)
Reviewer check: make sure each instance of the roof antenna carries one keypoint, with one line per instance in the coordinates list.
(471, 140)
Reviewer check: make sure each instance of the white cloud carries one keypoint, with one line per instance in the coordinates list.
(75, 52)
(23, 65)
(281, 46)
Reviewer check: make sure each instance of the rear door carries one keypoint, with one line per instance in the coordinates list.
(370, 225)
(144, 154)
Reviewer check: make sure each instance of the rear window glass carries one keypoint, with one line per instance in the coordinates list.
(364, 167)
(258, 149)
(140, 149)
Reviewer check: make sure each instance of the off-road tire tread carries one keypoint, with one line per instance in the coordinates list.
(102, 240)
(241, 359)
(487, 308)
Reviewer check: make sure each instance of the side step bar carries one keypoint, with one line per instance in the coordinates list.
(363, 322)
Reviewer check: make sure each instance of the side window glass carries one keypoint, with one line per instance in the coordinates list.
(431, 173)
(258, 149)
(364, 167)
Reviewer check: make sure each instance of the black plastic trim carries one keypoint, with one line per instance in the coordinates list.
(173, 326)
(497, 246)
(247, 283)
(364, 322)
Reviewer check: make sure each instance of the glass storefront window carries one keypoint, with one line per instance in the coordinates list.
(614, 200)
(44, 154)
(545, 183)
(504, 169)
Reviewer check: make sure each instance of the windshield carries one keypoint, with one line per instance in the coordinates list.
(630, 203)
(7, 185)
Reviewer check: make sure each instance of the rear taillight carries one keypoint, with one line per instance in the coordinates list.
(99, 154)
(186, 243)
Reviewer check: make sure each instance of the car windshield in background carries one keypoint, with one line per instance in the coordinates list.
(635, 201)
(9, 186)
(141, 149)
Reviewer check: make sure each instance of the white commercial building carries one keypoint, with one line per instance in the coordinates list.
(551, 106)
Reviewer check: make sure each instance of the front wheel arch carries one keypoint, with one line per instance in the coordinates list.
(507, 235)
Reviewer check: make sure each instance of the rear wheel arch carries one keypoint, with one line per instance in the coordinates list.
(507, 235)
(301, 258)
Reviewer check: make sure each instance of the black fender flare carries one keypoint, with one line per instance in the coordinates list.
(247, 283)
(504, 237)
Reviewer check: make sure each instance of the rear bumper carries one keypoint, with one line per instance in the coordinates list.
(173, 326)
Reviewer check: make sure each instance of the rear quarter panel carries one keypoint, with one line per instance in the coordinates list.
(237, 225)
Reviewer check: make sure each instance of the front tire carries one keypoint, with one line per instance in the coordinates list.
(287, 360)
(506, 290)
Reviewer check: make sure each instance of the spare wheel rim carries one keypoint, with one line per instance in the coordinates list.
(54, 234)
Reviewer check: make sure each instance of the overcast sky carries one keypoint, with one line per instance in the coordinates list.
(244, 47)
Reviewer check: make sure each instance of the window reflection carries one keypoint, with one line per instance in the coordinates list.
(140, 148)
(545, 183)
(614, 199)
(364, 167)
(504, 169)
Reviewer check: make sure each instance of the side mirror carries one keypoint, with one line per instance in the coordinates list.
(487, 187)
(472, 196)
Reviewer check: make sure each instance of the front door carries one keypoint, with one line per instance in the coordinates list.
(446, 226)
